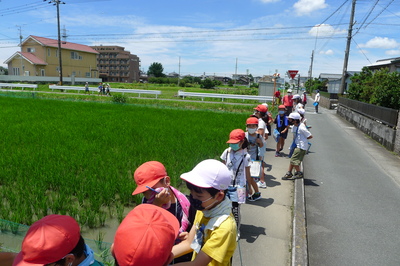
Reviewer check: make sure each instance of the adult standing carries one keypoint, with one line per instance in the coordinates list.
(304, 98)
(316, 101)
(288, 101)
(277, 97)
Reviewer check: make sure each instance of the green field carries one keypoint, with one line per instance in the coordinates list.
(77, 157)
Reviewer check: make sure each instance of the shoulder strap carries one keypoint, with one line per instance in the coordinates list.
(237, 171)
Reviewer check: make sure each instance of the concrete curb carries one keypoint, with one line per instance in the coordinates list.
(299, 239)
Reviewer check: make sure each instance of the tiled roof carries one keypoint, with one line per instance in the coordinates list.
(64, 45)
(29, 57)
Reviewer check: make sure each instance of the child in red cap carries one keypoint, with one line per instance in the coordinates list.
(153, 181)
(55, 240)
(256, 147)
(145, 237)
(282, 126)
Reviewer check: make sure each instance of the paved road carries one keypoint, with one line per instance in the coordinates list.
(352, 189)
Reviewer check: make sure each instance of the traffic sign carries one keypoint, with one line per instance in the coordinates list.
(293, 73)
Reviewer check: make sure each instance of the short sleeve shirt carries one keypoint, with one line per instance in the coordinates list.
(232, 160)
(221, 243)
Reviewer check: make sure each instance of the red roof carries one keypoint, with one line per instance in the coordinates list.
(64, 45)
(33, 59)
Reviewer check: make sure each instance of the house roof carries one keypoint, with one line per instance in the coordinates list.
(31, 58)
(64, 45)
(384, 62)
(330, 76)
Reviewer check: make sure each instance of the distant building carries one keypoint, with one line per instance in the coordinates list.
(329, 76)
(39, 57)
(117, 65)
(393, 64)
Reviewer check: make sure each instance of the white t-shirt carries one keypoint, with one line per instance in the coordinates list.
(232, 160)
(302, 135)
(262, 125)
(317, 98)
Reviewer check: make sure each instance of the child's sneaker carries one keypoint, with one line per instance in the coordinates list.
(277, 154)
(298, 175)
(255, 196)
(261, 184)
(288, 176)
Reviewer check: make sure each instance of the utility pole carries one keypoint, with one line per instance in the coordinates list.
(236, 71)
(57, 4)
(346, 54)
(311, 66)
(20, 44)
(179, 71)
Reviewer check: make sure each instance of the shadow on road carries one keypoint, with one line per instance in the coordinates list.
(261, 202)
(310, 182)
(250, 232)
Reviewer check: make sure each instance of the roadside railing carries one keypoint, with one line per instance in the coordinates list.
(184, 94)
(93, 89)
(18, 85)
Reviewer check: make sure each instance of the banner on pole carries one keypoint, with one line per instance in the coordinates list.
(293, 73)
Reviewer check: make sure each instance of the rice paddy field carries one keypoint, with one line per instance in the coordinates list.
(77, 157)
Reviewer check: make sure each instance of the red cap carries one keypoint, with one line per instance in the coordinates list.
(48, 240)
(236, 136)
(145, 236)
(252, 121)
(281, 106)
(148, 174)
(261, 108)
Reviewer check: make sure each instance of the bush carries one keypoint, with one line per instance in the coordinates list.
(119, 98)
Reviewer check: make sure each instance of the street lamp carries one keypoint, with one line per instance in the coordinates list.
(57, 4)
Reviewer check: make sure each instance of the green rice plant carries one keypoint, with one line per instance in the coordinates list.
(77, 156)
(3, 225)
(99, 241)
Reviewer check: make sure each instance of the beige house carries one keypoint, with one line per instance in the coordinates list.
(39, 57)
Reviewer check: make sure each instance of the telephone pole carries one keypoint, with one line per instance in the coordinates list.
(57, 4)
(346, 54)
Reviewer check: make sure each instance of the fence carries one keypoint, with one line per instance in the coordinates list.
(184, 94)
(18, 85)
(384, 115)
(92, 89)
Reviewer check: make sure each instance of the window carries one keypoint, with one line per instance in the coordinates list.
(87, 74)
(48, 52)
(42, 72)
(16, 71)
(76, 56)
(73, 73)
(30, 50)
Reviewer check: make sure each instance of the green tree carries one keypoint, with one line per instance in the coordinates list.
(207, 84)
(156, 69)
(361, 85)
(315, 84)
(3, 70)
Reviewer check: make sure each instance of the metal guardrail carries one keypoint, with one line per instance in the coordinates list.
(93, 89)
(18, 85)
(384, 115)
(224, 96)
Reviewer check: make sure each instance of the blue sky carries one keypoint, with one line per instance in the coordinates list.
(210, 36)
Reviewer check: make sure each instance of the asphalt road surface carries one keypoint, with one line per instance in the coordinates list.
(352, 190)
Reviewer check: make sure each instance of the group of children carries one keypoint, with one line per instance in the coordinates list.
(104, 89)
(170, 227)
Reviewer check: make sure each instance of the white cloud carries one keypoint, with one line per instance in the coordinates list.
(383, 43)
(327, 52)
(306, 7)
(393, 52)
(324, 30)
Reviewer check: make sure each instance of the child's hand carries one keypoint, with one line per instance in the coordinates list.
(162, 198)
(183, 236)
